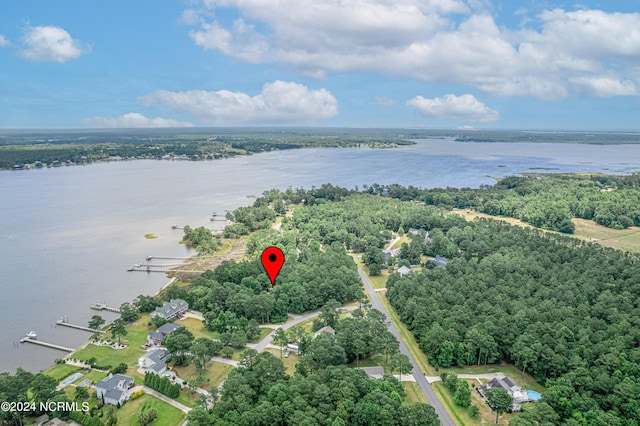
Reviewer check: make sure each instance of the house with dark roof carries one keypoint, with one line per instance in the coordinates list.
(114, 389)
(156, 337)
(171, 309)
(154, 361)
(511, 386)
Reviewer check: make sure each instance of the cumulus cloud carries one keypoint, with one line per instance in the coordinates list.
(440, 41)
(131, 120)
(51, 44)
(464, 108)
(3, 41)
(279, 102)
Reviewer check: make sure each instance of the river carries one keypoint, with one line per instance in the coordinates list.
(68, 235)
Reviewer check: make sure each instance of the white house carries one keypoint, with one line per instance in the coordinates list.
(172, 309)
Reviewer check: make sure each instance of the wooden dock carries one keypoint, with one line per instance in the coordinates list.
(104, 307)
(46, 345)
(78, 327)
(166, 258)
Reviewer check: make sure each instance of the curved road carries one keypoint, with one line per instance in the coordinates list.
(445, 418)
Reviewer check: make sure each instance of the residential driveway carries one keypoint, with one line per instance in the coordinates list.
(165, 398)
(486, 376)
(445, 418)
(295, 320)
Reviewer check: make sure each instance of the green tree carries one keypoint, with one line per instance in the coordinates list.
(118, 329)
(128, 312)
(401, 363)
(280, 339)
(96, 322)
(499, 401)
(462, 396)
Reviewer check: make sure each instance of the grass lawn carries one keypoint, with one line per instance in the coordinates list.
(214, 373)
(136, 336)
(403, 239)
(378, 281)
(197, 328)
(94, 376)
(289, 363)
(414, 393)
(167, 415)
(187, 398)
(60, 371)
(263, 332)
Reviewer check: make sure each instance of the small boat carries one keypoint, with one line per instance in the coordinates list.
(32, 335)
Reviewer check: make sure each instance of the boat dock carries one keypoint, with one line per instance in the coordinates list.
(104, 307)
(46, 345)
(77, 327)
(166, 258)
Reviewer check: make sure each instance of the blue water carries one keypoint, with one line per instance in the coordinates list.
(72, 378)
(533, 395)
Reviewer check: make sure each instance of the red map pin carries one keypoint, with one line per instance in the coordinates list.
(272, 260)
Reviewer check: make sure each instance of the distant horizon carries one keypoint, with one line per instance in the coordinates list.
(263, 127)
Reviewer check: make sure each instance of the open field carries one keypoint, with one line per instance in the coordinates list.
(214, 373)
(167, 415)
(197, 328)
(620, 239)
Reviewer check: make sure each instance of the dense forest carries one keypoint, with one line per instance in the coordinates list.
(323, 391)
(564, 310)
(260, 393)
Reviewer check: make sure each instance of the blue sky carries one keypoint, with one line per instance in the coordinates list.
(350, 63)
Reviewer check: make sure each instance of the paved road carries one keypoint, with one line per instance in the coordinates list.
(445, 418)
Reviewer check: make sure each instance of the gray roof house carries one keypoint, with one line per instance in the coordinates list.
(170, 310)
(154, 361)
(511, 386)
(156, 337)
(403, 270)
(114, 389)
(373, 372)
(440, 260)
(325, 329)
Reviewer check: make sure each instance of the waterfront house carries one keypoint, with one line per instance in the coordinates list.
(170, 310)
(154, 361)
(114, 389)
(156, 337)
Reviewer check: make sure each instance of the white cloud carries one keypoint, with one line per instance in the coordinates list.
(464, 108)
(382, 101)
(51, 44)
(278, 102)
(3, 41)
(431, 41)
(131, 120)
